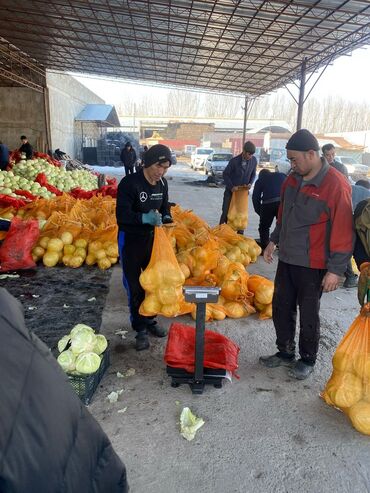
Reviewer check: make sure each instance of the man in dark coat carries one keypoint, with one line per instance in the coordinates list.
(4, 156)
(266, 201)
(49, 442)
(128, 158)
(239, 173)
(26, 147)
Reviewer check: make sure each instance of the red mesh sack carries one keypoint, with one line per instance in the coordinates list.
(15, 252)
(42, 179)
(220, 352)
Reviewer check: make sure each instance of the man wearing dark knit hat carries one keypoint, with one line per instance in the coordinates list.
(142, 204)
(315, 235)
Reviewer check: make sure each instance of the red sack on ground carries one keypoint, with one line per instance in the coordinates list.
(220, 352)
(16, 250)
(8, 201)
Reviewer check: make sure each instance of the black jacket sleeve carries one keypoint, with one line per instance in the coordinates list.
(256, 196)
(125, 204)
(228, 173)
(253, 175)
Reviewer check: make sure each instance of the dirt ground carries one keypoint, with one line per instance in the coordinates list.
(262, 433)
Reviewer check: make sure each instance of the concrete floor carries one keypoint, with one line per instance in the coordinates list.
(262, 433)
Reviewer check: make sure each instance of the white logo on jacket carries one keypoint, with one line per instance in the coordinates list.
(143, 196)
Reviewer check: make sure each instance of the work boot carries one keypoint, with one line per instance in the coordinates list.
(350, 282)
(301, 370)
(156, 330)
(276, 360)
(142, 341)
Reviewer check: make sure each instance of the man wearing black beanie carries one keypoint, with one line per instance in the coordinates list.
(314, 232)
(142, 204)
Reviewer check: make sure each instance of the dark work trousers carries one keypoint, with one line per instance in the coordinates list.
(267, 214)
(225, 208)
(135, 251)
(3, 165)
(129, 170)
(297, 286)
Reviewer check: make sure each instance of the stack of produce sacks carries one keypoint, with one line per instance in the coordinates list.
(348, 388)
(86, 232)
(81, 350)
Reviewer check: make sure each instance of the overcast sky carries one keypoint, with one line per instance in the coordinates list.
(349, 77)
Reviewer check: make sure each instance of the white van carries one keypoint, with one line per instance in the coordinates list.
(199, 157)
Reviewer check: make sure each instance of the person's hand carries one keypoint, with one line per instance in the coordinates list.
(330, 282)
(235, 189)
(268, 252)
(167, 219)
(152, 217)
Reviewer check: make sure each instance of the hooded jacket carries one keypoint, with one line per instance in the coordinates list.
(49, 442)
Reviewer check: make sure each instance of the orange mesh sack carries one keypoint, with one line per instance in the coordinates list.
(237, 216)
(163, 280)
(235, 284)
(348, 388)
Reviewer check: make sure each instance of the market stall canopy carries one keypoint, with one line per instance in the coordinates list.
(104, 115)
(234, 46)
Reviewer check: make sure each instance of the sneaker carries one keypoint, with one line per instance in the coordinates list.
(276, 360)
(351, 282)
(301, 370)
(156, 330)
(142, 341)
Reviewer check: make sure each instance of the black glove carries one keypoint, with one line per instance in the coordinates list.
(167, 219)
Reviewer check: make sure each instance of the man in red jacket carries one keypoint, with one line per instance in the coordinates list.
(315, 235)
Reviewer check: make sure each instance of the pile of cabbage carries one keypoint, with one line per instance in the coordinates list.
(9, 181)
(81, 350)
(64, 180)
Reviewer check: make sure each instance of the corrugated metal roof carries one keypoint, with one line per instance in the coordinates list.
(103, 114)
(233, 46)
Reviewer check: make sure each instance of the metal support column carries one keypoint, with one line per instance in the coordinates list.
(301, 99)
(245, 118)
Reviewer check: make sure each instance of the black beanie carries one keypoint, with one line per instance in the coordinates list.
(303, 141)
(157, 154)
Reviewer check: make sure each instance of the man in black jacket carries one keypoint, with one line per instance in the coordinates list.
(328, 151)
(239, 173)
(128, 158)
(266, 201)
(49, 442)
(26, 147)
(142, 204)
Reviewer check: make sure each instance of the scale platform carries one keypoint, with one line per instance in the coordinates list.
(201, 376)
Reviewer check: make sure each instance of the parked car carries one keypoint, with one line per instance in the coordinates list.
(217, 162)
(199, 157)
(354, 168)
(173, 156)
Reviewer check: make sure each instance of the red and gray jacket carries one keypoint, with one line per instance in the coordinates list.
(315, 226)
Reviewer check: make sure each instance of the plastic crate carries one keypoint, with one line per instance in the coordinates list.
(85, 386)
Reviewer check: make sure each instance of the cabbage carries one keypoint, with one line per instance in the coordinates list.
(81, 328)
(100, 344)
(83, 341)
(67, 361)
(62, 344)
(189, 424)
(87, 363)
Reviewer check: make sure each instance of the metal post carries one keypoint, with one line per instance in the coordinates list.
(302, 87)
(82, 141)
(245, 119)
(199, 342)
